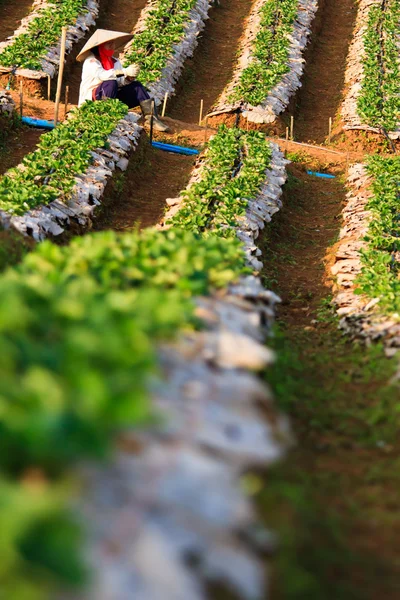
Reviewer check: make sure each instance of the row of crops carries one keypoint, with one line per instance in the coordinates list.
(368, 257)
(381, 257)
(49, 172)
(236, 166)
(270, 60)
(373, 70)
(166, 29)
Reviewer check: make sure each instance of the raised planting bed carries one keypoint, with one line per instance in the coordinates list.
(368, 257)
(164, 36)
(372, 102)
(63, 180)
(34, 49)
(79, 366)
(270, 63)
(235, 188)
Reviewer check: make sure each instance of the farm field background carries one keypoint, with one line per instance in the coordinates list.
(199, 374)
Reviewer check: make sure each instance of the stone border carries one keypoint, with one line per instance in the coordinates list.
(359, 315)
(50, 61)
(171, 72)
(54, 218)
(354, 75)
(7, 104)
(278, 99)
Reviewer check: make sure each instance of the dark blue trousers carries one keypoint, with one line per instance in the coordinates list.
(131, 94)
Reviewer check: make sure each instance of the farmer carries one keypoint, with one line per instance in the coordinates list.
(104, 77)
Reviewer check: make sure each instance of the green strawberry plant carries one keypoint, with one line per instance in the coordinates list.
(63, 153)
(234, 170)
(269, 54)
(164, 28)
(379, 100)
(380, 275)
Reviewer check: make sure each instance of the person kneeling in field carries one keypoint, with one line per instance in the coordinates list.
(104, 77)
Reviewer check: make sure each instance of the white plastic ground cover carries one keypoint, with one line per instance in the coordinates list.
(174, 506)
(7, 104)
(359, 314)
(58, 215)
(51, 59)
(278, 99)
(355, 72)
(171, 72)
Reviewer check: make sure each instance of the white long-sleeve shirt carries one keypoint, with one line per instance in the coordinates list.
(93, 75)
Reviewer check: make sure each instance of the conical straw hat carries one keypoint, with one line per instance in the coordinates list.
(101, 36)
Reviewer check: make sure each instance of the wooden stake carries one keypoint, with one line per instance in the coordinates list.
(21, 98)
(201, 111)
(165, 104)
(292, 128)
(287, 137)
(330, 130)
(48, 87)
(66, 101)
(60, 74)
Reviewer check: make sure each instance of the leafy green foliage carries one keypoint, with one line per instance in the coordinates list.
(164, 28)
(380, 276)
(379, 100)
(234, 171)
(63, 153)
(43, 32)
(270, 53)
(78, 329)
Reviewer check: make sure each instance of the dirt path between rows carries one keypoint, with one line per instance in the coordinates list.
(11, 14)
(323, 82)
(19, 143)
(137, 197)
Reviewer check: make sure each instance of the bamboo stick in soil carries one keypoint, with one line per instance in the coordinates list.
(60, 74)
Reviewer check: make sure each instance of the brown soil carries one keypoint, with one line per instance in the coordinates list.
(307, 230)
(38, 108)
(20, 142)
(323, 83)
(11, 14)
(136, 198)
(210, 70)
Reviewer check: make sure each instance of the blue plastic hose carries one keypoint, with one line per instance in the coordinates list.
(323, 175)
(173, 148)
(38, 123)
